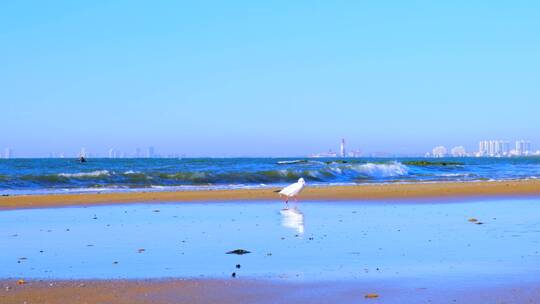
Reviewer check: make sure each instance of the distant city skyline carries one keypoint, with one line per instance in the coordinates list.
(485, 148)
(488, 148)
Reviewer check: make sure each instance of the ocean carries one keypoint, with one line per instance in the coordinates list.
(35, 176)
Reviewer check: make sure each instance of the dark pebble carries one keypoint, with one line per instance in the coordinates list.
(238, 251)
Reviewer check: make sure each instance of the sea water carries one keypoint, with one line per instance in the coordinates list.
(27, 176)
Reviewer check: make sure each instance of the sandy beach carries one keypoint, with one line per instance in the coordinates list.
(360, 192)
(94, 255)
(253, 291)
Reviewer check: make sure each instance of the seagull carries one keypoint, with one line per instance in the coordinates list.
(293, 190)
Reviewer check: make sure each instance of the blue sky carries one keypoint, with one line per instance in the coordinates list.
(227, 78)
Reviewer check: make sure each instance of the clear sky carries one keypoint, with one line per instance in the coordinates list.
(227, 78)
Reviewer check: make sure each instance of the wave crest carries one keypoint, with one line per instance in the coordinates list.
(381, 170)
(97, 173)
(317, 173)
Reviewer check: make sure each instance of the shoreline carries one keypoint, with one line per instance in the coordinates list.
(368, 192)
(259, 291)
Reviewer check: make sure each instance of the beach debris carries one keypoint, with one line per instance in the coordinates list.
(479, 223)
(233, 274)
(141, 250)
(239, 251)
(21, 282)
(473, 220)
(371, 296)
(156, 210)
(238, 266)
(269, 254)
(95, 217)
(115, 262)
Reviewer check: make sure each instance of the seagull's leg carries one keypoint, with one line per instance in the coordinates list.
(295, 199)
(286, 200)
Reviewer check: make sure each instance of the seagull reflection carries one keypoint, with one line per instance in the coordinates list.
(293, 218)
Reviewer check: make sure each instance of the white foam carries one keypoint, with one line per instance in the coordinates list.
(86, 174)
(382, 170)
(131, 172)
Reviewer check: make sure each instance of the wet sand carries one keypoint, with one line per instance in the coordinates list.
(360, 192)
(254, 291)
(406, 288)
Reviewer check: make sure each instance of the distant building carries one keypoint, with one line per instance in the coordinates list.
(330, 153)
(150, 152)
(458, 151)
(523, 147)
(355, 153)
(494, 148)
(381, 154)
(342, 151)
(439, 151)
(482, 148)
(8, 153)
(112, 153)
(504, 147)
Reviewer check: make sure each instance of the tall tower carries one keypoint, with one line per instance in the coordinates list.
(112, 153)
(342, 151)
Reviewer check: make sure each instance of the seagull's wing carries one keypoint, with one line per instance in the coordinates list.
(291, 189)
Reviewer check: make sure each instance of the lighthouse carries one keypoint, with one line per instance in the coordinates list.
(342, 151)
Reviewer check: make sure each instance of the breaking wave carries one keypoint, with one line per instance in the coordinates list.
(85, 174)
(327, 173)
(333, 172)
(382, 170)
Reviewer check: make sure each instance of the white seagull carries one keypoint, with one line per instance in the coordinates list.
(293, 190)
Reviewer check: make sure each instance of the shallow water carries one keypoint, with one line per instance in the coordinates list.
(315, 241)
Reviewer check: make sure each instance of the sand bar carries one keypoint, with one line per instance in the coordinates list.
(359, 192)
